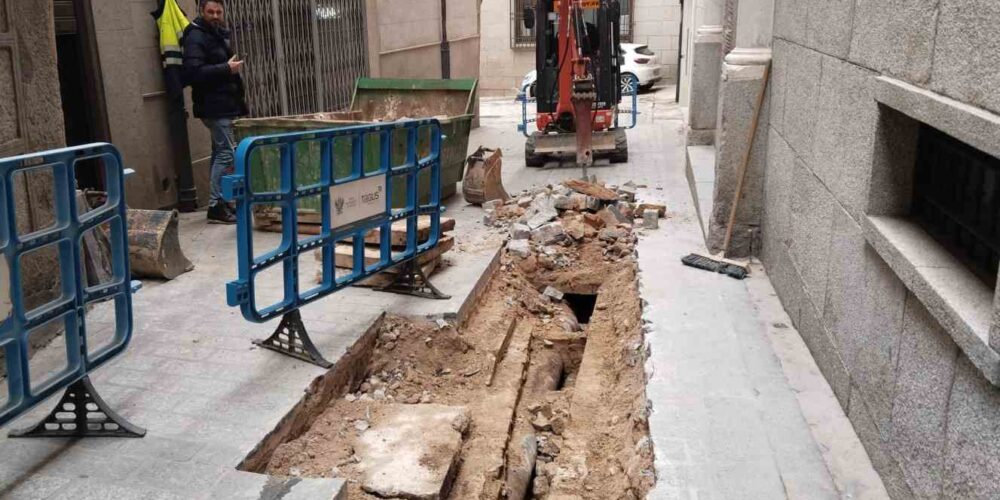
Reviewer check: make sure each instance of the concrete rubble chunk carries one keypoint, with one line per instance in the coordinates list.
(650, 219)
(492, 205)
(519, 248)
(548, 234)
(576, 229)
(520, 232)
(612, 216)
(611, 234)
(622, 212)
(541, 211)
(423, 440)
(628, 190)
(553, 294)
(573, 201)
(593, 220)
(660, 208)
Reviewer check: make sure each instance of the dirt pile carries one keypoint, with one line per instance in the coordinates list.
(548, 368)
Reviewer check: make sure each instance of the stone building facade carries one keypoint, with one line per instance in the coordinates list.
(866, 97)
(30, 120)
(654, 22)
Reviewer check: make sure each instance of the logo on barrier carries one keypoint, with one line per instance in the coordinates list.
(358, 200)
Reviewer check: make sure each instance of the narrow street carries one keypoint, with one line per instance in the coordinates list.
(738, 408)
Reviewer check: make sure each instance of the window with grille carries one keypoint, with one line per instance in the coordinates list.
(626, 22)
(522, 37)
(955, 200)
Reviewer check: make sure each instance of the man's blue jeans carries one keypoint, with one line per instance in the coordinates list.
(222, 155)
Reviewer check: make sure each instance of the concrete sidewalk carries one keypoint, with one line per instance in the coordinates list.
(739, 408)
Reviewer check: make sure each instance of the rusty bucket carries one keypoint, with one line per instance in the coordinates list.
(154, 245)
(483, 181)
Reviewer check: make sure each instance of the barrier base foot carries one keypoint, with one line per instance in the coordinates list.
(81, 413)
(292, 339)
(411, 280)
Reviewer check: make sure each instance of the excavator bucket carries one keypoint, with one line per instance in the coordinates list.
(154, 245)
(483, 181)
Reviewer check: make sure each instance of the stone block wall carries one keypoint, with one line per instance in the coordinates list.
(899, 330)
(30, 120)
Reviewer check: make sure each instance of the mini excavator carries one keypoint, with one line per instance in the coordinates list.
(577, 89)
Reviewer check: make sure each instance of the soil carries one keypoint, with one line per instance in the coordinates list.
(578, 390)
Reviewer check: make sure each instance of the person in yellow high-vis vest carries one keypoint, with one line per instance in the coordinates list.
(171, 22)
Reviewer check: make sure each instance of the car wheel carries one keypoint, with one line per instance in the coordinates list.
(630, 84)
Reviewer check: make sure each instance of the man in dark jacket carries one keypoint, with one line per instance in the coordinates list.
(213, 71)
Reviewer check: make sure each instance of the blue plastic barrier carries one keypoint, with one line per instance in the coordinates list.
(81, 412)
(351, 206)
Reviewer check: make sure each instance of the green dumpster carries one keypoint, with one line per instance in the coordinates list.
(452, 102)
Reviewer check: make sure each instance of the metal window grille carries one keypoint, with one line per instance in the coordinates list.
(626, 21)
(521, 37)
(955, 199)
(303, 56)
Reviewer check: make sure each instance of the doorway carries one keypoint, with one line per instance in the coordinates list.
(84, 112)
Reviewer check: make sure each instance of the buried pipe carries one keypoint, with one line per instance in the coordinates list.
(543, 377)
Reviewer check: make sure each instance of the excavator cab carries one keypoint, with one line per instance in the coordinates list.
(577, 88)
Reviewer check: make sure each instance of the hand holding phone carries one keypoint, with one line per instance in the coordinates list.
(235, 65)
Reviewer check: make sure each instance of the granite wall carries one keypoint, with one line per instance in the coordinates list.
(906, 353)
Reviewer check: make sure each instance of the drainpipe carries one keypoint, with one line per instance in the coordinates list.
(680, 55)
(445, 47)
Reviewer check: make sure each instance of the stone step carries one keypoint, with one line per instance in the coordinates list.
(701, 180)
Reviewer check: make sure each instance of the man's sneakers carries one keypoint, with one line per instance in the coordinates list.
(221, 214)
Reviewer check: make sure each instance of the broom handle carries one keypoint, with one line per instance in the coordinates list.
(746, 161)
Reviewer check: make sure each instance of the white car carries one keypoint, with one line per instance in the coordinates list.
(641, 70)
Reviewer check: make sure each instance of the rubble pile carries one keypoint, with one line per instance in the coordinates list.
(544, 223)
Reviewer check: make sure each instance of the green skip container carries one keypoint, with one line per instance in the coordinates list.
(451, 102)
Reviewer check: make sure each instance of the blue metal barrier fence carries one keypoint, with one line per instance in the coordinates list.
(31, 256)
(355, 200)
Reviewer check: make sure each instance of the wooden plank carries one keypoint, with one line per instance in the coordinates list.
(398, 238)
(384, 278)
(344, 256)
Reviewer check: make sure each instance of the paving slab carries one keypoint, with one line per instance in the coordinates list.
(423, 440)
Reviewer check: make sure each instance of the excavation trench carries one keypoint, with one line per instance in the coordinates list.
(535, 396)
